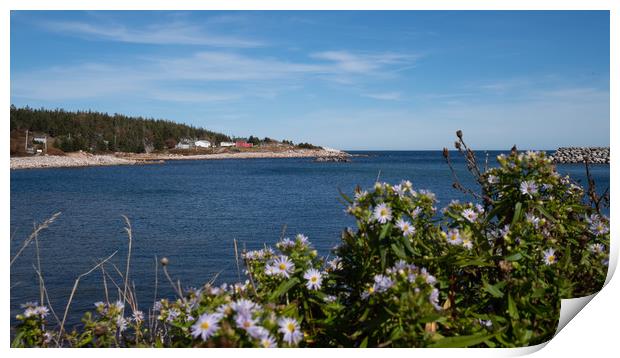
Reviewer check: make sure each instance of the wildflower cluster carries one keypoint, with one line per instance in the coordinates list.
(32, 326)
(481, 274)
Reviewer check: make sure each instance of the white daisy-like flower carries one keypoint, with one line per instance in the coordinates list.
(268, 342)
(138, 316)
(416, 212)
(314, 279)
(360, 195)
(173, 313)
(470, 215)
(599, 228)
(406, 184)
(243, 306)
(244, 320)
(257, 332)
(120, 305)
(121, 323)
(467, 243)
(334, 264)
(493, 179)
(550, 257)
(382, 283)
(405, 227)
(529, 188)
(42, 311)
(206, 326)
(597, 248)
(302, 239)
(399, 190)
(434, 299)
(454, 237)
(329, 298)
(532, 219)
(283, 266)
(382, 213)
(286, 243)
(290, 330)
(47, 337)
(30, 312)
(479, 209)
(224, 309)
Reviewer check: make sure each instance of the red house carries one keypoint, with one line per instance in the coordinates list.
(243, 144)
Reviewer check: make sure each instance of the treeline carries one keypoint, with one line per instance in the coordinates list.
(100, 132)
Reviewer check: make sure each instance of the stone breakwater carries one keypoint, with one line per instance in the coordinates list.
(87, 160)
(594, 155)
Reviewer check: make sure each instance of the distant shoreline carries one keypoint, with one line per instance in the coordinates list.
(74, 160)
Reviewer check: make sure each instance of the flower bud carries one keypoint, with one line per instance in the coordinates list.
(459, 134)
(164, 261)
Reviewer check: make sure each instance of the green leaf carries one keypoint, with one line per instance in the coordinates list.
(517, 214)
(463, 341)
(546, 214)
(494, 290)
(383, 253)
(512, 308)
(515, 257)
(398, 251)
(364, 343)
(385, 229)
(408, 245)
(283, 288)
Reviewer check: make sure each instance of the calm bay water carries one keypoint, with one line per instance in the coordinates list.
(191, 211)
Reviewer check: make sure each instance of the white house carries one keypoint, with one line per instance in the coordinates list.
(202, 143)
(185, 144)
(227, 144)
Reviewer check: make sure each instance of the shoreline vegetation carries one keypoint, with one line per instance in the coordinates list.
(486, 273)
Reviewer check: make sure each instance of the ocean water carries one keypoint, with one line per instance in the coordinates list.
(191, 211)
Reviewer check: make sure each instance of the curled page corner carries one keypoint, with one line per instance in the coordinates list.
(569, 308)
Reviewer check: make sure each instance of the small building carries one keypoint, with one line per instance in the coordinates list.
(202, 143)
(185, 144)
(243, 144)
(42, 140)
(227, 144)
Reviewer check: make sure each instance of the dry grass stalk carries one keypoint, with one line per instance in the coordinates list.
(44, 225)
(75, 286)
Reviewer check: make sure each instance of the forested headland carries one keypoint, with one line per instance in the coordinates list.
(101, 132)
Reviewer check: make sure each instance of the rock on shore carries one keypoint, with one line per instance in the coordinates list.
(67, 161)
(594, 155)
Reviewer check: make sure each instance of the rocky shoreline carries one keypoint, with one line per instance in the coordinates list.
(593, 155)
(87, 159)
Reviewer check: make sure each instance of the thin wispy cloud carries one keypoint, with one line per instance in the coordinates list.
(386, 96)
(175, 33)
(144, 74)
(364, 63)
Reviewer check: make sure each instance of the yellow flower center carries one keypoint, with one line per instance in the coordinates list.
(383, 212)
(282, 266)
(246, 324)
(205, 325)
(290, 327)
(551, 258)
(313, 279)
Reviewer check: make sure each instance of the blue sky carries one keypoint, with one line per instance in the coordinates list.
(399, 80)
